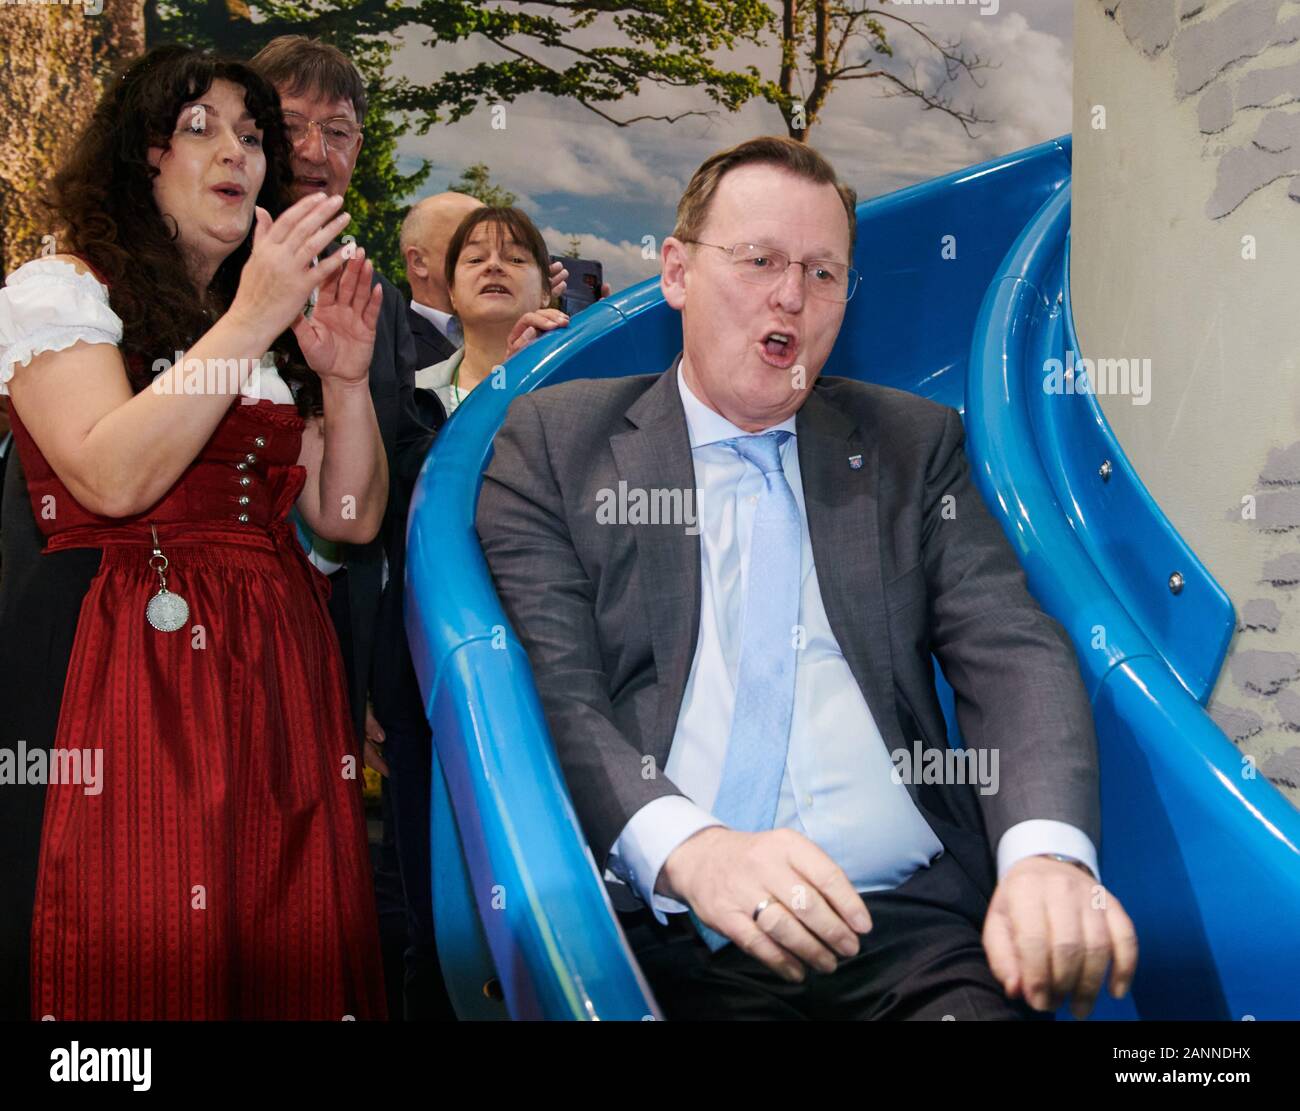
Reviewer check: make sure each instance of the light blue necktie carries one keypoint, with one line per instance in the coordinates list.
(760, 724)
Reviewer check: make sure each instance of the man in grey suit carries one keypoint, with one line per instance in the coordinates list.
(730, 579)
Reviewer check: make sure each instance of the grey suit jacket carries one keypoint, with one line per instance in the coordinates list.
(609, 614)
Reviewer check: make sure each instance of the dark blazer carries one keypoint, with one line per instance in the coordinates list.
(394, 688)
(431, 346)
(609, 615)
(406, 442)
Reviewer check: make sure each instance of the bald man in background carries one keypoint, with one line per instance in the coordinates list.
(399, 718)
(426, 231)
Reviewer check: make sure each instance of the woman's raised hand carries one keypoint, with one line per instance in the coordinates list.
(338, 339)
(279, 276)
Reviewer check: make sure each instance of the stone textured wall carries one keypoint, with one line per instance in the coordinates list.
(54, 58)
(1185, 244)
(1228, 57)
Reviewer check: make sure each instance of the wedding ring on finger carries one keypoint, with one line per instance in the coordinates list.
(760, 908)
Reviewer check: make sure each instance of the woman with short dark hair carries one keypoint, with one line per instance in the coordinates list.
(498, 271)
(163, 639)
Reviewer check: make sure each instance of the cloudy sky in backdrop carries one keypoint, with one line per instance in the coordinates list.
(576, 174)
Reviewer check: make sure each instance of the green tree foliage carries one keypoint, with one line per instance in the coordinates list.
(593, 52)
(476, 183)
(596, 52)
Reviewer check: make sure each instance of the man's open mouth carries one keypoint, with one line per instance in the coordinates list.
(778, 343)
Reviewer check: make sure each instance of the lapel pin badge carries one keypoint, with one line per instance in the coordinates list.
(855, 461)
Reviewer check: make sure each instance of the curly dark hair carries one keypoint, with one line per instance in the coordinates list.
(103, 197)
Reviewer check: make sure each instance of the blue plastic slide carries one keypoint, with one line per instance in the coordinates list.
(964, 298)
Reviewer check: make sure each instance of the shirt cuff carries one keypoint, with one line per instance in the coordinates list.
(1044, 835)
(648, 840)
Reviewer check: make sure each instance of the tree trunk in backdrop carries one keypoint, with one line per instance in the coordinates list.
(55, 59)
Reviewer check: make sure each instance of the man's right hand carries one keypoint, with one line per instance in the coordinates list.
(813, 910)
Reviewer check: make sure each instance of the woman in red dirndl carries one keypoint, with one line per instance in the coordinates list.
(210, 860)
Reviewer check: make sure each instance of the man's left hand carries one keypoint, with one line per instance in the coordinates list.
(1051, 930)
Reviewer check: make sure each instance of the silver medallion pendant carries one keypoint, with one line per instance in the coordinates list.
(167, 612)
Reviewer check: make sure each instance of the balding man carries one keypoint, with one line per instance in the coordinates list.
(426, 231)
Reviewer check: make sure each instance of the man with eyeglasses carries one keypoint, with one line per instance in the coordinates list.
(728, 692)
(323, 98)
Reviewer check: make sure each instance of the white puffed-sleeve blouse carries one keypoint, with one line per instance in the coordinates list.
(48, 305)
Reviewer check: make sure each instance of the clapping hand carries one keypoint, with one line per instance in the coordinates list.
(279, 274)
(338, 339)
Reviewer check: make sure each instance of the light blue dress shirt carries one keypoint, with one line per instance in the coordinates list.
(447, 323)
(838, 789)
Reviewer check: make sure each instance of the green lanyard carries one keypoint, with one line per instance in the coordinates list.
(456, 394)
